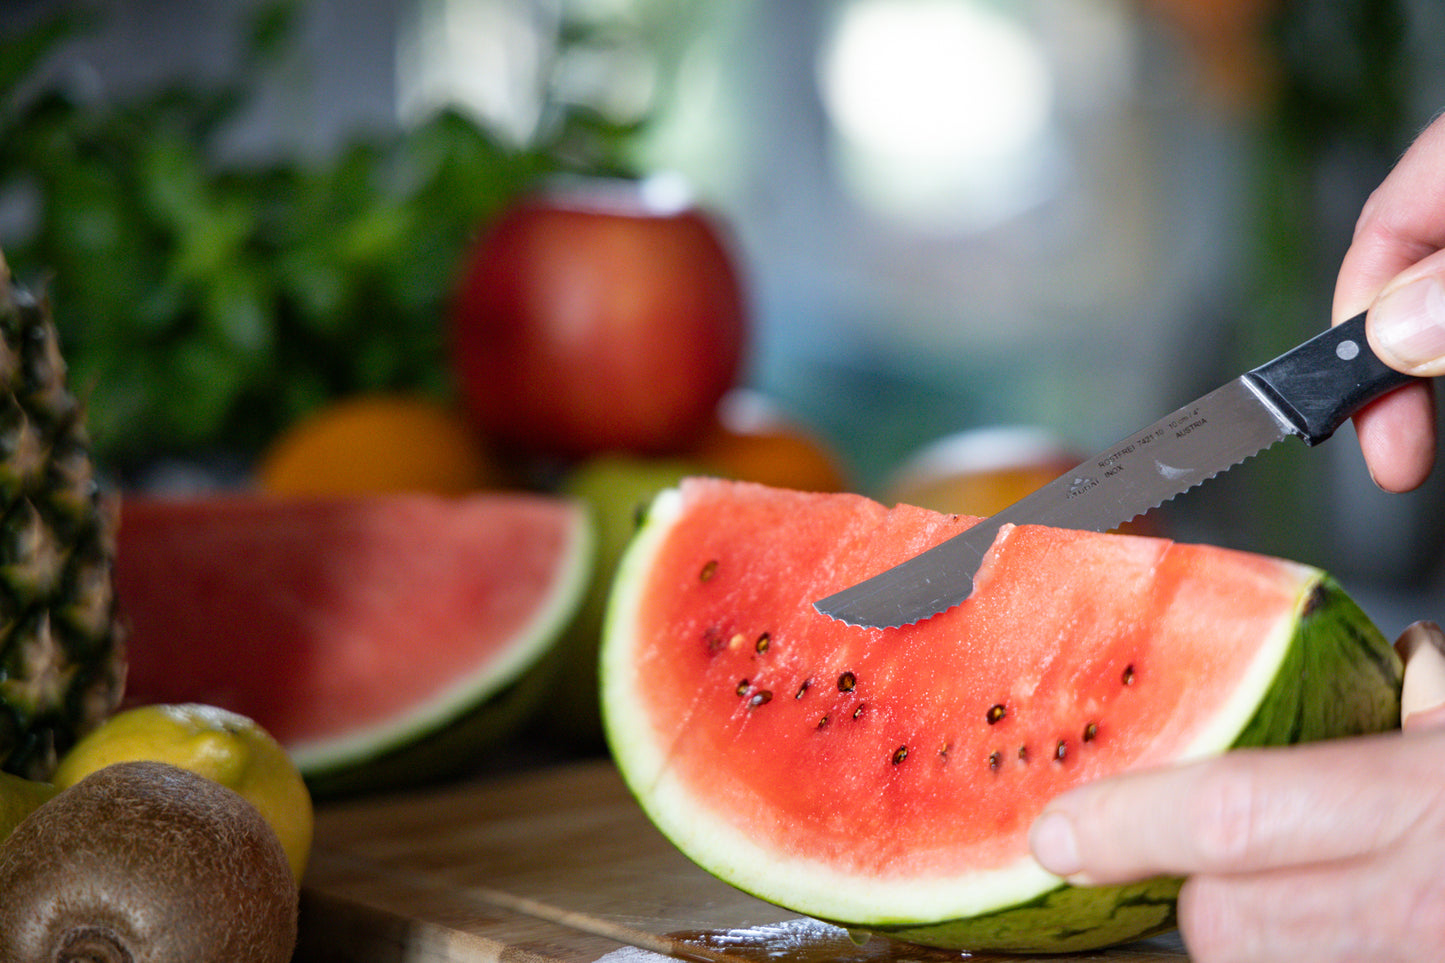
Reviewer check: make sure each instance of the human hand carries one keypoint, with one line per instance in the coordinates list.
(1395, 267)
(1334, 851)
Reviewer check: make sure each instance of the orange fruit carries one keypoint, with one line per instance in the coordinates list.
(379, 443)
(752, 440)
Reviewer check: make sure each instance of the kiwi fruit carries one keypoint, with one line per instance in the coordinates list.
(144, 862)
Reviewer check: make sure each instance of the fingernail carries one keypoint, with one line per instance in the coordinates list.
(1052, 840)
(1422, 698)
(1417, 634)
(1408, 324)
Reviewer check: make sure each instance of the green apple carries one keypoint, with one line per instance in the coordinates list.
(617, 489)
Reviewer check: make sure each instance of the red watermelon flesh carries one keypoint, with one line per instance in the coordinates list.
(346, 627)
(886, 778)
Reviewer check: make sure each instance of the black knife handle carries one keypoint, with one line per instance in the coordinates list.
(1325, 380)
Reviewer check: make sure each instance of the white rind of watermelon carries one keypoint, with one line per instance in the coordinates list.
(690, 763)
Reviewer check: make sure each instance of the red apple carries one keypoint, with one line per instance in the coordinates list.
(596, 318)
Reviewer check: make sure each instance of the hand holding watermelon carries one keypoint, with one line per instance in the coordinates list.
(1405, 292)
(1327, 852)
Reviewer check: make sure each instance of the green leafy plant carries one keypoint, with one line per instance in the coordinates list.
(205, 303)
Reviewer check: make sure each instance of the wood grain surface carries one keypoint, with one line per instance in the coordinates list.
(557, 864)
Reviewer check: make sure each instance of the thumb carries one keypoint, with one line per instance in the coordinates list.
(1407, 321)
(1422, 701)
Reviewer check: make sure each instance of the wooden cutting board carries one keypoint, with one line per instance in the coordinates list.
(558, 864)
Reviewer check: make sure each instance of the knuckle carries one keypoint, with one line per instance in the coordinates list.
(1367, 215)
(1225, 817)
(1418, 917)
(1209, 921)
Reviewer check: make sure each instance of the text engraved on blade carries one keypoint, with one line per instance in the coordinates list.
(1186, 423)
(1114, 462)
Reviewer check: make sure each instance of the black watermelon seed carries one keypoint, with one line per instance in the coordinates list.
(763, 642)
(761, 698)
(995, 713)
(847, 681)
(708, 571)
(1091, 731)
(1128, 677)
(742, 688)
(900, 754)
(1060, 751)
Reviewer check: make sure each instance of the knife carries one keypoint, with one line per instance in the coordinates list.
(1308, 392)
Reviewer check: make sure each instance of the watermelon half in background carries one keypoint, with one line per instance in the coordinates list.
(383, 640)
(885, 779)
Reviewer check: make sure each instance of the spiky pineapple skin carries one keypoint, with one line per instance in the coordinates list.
(62, 661)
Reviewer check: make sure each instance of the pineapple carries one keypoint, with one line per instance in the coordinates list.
(61, 655)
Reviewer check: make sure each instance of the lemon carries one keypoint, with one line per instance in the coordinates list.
(20, 797)
(223, 746)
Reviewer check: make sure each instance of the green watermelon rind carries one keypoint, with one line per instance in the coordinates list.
(1066, 919)
(449, 732)
(1351, 683)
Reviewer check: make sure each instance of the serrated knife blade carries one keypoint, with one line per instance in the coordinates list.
(1307, 392)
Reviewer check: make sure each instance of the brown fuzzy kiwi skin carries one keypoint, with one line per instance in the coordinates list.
(144, 862)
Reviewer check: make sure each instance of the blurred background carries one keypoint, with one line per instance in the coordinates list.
(1063, 216)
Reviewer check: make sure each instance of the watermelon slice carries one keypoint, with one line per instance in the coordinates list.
(885, 779)
(382, 640)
